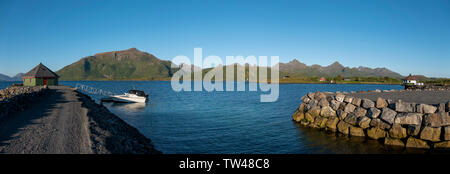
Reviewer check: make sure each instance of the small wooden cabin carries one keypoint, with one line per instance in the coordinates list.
(39, 76)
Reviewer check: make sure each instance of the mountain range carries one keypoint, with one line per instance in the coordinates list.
(133, 64)
(17, 77)
(295, 68)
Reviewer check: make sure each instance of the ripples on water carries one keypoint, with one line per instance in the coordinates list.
(231, 122)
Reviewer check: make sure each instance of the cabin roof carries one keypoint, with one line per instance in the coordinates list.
(41, 71)
(410, 77)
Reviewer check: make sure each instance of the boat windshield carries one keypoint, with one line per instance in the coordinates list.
(137, 92)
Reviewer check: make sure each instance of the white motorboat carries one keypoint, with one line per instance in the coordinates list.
(132, 96)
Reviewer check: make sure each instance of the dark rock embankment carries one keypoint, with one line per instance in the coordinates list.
(391, 122)
(110, 134)
(62, 120)
(17, 98)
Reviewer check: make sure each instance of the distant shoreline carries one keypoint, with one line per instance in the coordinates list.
(281, 82)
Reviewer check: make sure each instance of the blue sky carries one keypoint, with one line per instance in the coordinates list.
(405, 36)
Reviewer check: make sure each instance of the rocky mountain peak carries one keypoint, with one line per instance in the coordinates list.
(336, 64)
(294, 61)
(132, 50)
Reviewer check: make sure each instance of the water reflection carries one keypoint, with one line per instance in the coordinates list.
(330, 142)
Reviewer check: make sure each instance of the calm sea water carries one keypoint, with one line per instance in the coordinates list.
(4, 85)
(229, 122)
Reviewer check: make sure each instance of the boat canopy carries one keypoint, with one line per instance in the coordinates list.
(137, 92)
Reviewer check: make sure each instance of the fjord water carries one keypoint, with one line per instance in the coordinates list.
(229, 122)
(4, 85)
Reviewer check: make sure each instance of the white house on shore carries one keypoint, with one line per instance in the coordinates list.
(411, 80)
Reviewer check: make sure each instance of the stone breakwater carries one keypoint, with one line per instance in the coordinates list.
(394, 123)
(18, 98)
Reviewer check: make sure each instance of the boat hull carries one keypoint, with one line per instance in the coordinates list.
(122, 98)
(125, 99)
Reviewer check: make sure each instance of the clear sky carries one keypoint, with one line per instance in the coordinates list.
(406, 36)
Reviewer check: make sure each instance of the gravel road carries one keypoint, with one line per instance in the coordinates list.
(428, 97)
(57, 123)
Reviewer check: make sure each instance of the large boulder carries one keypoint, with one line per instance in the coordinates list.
(315, 111)
(356, 101)
(388, 115)
(298, 115)
(401, 106)
(323, 123)
(348, 99)
(304, 97)
(397, 131)
(376, 133)
(302, 107)
(349, 108)
(351, 119)
(306, 100)
(366, 103)
(408, 118)
(335, 104)
(379, 124)
(447, 133)
(381, 103)
(323, 102)
(311, 95)
(312, 104)
(327, 111)
(341, 114)
(332, 123)
(416, 143)
(364, 122)
(373, 112)
(309, 117)
(343, 127)
(431, 134)
(319, 95)
(437, 119)
(320, 122)
(393, 142)
(340, 97)
(360, 111)
(427, 109)
(356, 131)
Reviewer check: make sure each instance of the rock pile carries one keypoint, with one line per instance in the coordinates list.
(395, 123)
(18, 98)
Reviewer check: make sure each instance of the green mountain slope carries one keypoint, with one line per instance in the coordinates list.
(130, 64)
